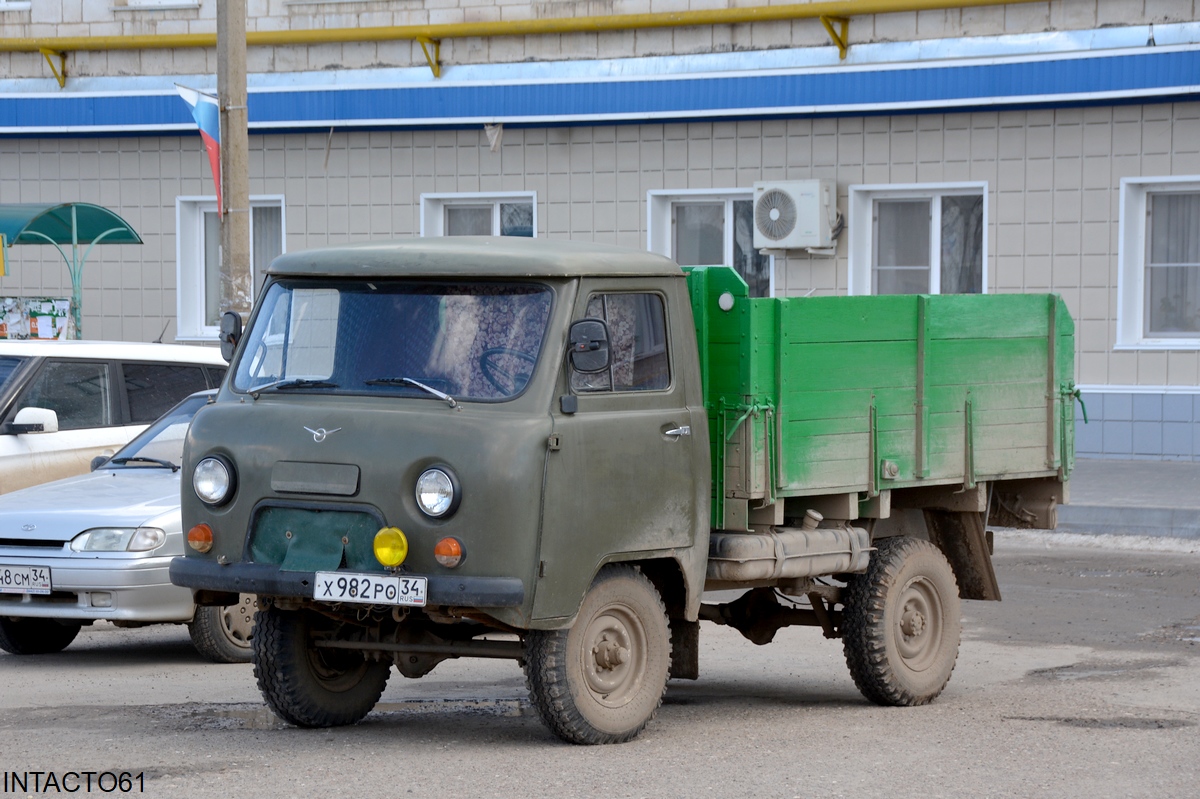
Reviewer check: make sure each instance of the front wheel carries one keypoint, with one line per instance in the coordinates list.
(901, 623)
(222, 635)
(307, 685)
(602, 680)
(37, 636)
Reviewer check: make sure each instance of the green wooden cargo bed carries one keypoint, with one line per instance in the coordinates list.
(821, 396)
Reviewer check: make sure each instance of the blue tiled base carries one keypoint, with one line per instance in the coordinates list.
(1133, 426)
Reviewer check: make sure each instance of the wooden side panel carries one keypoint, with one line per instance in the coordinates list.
(851, 394)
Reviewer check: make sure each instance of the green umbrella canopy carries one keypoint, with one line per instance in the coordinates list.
(23, 223)
(66, 223)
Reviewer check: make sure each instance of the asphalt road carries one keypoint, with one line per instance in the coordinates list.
(1083, 682)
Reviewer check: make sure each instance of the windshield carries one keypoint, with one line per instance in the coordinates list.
(441, 341)
(161, 444)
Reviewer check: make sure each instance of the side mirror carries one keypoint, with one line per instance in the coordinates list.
(589, 346)
(99, 461)
(34, 420)
(231, 333)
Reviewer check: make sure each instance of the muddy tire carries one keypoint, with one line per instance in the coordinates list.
(37, 636)
(307, 686)
(602, 680)
(222, 635)
(901, 623)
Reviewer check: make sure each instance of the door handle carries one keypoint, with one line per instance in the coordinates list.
(676, 432)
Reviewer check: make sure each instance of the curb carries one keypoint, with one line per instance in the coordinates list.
(1107, 520)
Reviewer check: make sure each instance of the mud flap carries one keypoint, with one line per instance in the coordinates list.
(685, 650)
(962, 537)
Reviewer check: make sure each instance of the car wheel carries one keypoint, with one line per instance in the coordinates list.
(307, 685)
(602, 680)
(901, 624)
(37, 636)
(223, 634)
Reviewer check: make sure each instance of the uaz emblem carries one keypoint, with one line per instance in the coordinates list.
(320, 433)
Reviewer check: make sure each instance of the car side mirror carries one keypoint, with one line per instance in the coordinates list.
(99, 461)
(231, 333)
(34, 420)
(589, 346)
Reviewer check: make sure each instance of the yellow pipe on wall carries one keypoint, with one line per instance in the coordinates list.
(523, 27)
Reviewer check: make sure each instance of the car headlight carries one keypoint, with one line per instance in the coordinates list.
(119, 539)
(212, 480)
(438, 493)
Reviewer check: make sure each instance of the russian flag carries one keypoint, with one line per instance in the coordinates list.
(206, 110)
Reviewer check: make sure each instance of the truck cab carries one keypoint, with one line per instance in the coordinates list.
(424, 444)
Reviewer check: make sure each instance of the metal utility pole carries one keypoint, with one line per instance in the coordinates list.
(236, 283)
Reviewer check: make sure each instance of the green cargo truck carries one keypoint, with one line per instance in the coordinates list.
(550, 452)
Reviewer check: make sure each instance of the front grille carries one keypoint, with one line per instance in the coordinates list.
(25, 543)
(307, 538)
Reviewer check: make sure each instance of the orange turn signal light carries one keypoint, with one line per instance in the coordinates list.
(448, 552)
(200, 538)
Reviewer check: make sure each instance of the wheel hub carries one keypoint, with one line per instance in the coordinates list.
(609, 653)
(912, 623)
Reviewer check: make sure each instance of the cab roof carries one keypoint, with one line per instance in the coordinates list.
(474, 256)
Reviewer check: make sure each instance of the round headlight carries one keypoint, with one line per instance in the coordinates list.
(437, 492)
(213, 481)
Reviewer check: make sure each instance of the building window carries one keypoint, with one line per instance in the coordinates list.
(199, 257)
(1158, 283)
(923, 239)
(475, 214)
(710, 228)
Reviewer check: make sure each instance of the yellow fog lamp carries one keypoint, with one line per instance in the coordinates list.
(391, 547)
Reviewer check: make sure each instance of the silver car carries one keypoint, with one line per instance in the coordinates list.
(97, 546)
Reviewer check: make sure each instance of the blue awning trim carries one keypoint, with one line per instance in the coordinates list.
(1049, 79)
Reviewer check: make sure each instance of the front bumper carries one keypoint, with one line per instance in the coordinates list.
(266, 579)
(137, 590)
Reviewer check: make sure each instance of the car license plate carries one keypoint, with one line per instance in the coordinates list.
(24, 579)
(371, 589)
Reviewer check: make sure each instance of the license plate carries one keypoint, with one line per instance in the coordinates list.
(370, 589)
(24, 579)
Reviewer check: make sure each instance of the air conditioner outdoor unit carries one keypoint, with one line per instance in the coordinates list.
(793, 214)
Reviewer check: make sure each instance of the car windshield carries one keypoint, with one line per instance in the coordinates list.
(161, 444)
(439, 341)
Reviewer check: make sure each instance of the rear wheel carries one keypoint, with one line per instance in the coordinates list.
(222, 634)
(602, 680)
(37, 636)
(310, 686)
(901, 623)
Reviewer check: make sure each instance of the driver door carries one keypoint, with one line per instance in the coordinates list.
(623, 477)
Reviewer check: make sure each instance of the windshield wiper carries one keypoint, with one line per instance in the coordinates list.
(292, 382)
(142, 459)
(408, 381)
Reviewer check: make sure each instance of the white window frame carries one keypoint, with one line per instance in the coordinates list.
(15, 5)
(1131, 263)
(660, 220)
(861, 227)
(433, 208)
(189, 260)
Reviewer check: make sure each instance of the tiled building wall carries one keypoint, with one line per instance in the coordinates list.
(50, 18)
(1052, 176)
